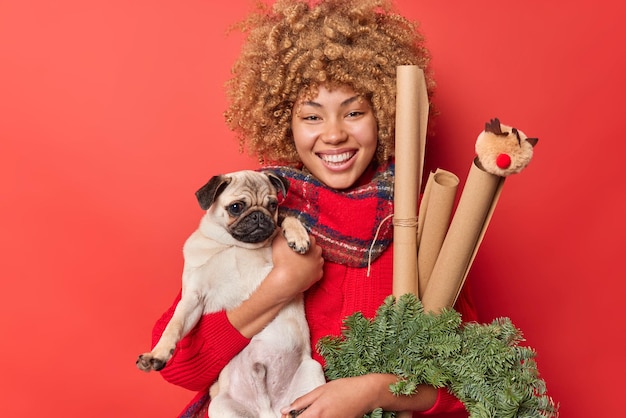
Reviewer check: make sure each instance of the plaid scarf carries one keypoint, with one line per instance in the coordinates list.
(351, 226)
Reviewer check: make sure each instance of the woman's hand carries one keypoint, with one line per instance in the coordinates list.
(354, 397)
(341, 398)
(294, 273)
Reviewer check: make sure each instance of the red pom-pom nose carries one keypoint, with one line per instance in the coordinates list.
(503, 161)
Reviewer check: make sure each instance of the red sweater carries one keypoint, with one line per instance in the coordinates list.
(201, 355)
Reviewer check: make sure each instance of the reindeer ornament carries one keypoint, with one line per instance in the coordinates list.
(503, 150)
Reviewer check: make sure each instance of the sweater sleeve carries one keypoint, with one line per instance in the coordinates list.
(446, 405)
(202, 354)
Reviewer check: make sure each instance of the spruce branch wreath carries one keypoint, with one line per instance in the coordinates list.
(483, 365)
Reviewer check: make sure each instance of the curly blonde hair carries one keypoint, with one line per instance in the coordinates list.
(294, 47)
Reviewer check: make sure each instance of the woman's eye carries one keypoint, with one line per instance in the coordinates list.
(236, 209)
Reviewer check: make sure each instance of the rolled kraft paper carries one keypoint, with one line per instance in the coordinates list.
(411, 116)
(469, 223)
(434, 219)
(422, 208)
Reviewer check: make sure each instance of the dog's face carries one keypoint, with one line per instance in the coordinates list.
(244, 204)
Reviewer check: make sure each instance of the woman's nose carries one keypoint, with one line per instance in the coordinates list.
(334, 133)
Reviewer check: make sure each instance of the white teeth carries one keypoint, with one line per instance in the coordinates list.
(336, 158)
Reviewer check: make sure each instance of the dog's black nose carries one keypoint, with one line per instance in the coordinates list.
(261, 220)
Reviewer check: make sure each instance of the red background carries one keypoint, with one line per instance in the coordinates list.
(111, 118)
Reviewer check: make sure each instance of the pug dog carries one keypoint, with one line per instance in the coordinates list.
(225, 260)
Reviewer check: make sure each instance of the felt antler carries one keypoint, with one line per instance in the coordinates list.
(493, 126)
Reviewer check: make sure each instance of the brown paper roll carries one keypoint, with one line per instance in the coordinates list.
(468, 226)
(434, 219)
(411, 118)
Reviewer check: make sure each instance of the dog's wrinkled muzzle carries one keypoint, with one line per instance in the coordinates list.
(253, 228)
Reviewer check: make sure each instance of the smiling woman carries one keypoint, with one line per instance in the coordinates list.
(315, 78)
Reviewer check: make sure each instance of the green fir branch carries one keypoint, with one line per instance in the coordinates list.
(483, 365)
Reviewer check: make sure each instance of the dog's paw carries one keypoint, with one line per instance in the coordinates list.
(301, 247)
(296, 235)
(148, 362)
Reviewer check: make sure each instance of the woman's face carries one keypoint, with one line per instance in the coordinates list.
(335, 135)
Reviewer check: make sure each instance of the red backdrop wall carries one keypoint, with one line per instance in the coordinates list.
(111, 118)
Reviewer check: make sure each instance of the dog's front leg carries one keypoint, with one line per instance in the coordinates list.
(186, 316)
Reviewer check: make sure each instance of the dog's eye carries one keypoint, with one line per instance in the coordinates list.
(273, 206)
(236, 209)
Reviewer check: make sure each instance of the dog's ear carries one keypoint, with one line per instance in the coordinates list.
(281, 184)
(209, 192)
